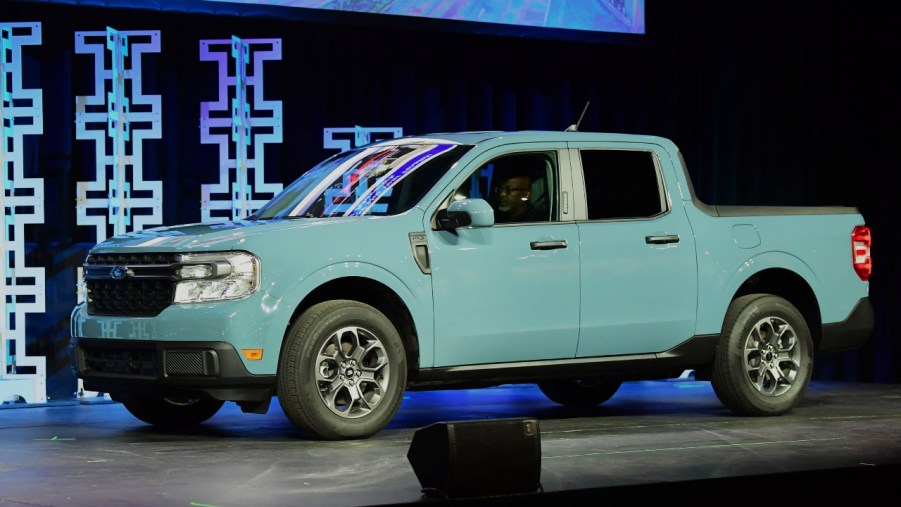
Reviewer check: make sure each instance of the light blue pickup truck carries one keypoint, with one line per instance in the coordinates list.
(571, 260)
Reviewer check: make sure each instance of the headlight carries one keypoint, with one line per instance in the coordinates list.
(216, 276)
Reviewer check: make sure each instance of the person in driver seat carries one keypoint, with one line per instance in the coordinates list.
(514, 201)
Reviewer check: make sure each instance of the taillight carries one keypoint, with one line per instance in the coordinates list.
(861, 240)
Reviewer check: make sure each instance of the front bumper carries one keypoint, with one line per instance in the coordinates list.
(200, 369)
(258, 322)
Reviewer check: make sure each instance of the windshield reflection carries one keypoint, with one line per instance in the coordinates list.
(370, 181)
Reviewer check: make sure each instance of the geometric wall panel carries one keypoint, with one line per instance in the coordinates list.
(22, 377)
(241, 122)
(118, 117)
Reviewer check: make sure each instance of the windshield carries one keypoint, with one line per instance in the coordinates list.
(378, 180)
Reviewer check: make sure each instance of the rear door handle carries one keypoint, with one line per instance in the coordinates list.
(661, 240)
(548, 245)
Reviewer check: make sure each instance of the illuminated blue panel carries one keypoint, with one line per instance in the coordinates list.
(241, 135)
(619, 16)
(22, 202)
(106, 117)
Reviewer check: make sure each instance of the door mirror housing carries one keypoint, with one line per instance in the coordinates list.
(466, 212)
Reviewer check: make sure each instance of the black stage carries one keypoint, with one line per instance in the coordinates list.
(664, 441)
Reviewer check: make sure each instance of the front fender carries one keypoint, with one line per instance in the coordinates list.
(415, 294)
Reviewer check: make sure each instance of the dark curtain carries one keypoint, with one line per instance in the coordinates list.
(772, 102)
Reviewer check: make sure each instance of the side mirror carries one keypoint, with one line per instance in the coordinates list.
(472, 212)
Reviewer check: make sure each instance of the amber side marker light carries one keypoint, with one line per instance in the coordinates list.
(252, 354)
(861, 241)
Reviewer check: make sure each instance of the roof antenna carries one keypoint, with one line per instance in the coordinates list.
(575, 126)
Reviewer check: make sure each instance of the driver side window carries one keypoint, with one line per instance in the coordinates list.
(521, 187)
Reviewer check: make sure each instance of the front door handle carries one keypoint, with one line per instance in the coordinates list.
(548, 245)
(661, 240)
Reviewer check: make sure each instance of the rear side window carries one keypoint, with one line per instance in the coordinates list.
(621, 184)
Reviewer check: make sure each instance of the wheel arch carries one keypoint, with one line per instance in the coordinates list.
(373, 293)
(792, 287)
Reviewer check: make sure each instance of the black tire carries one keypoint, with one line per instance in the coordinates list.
(335, 351)
(579, 393)
(764, 358)
(172, 412)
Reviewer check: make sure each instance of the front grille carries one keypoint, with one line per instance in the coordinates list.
(146, 292)
(139, 298)
(140, 362)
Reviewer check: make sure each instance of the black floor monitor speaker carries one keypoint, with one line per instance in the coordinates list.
(478, 458)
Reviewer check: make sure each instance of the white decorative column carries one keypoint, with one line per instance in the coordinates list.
(119, 188)
(118, 117)
(22, 377)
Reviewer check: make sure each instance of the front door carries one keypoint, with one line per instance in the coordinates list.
(509, 292)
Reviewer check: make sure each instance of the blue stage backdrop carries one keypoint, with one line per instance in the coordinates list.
(126, 115)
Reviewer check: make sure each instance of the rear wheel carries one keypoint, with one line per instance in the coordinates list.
(343, 371)
(579, 392)
(765, 356)
(172, 412)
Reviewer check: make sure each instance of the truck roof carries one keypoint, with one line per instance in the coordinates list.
(480, 137)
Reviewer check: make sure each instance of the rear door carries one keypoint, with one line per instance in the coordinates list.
(638, 268)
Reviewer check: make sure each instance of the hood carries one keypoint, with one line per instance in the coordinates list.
(207, 236)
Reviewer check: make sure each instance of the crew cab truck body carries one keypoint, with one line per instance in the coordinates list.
(392, 267)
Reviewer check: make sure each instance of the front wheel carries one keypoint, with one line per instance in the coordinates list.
(579, 392)
(764, 359)
(342, 372)
(172, 412)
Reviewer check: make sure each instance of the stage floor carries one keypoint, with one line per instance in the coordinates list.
(652, 440)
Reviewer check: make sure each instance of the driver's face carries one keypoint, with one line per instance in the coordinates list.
(514, 193)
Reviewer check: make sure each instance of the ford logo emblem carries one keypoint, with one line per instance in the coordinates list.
(118, 272)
